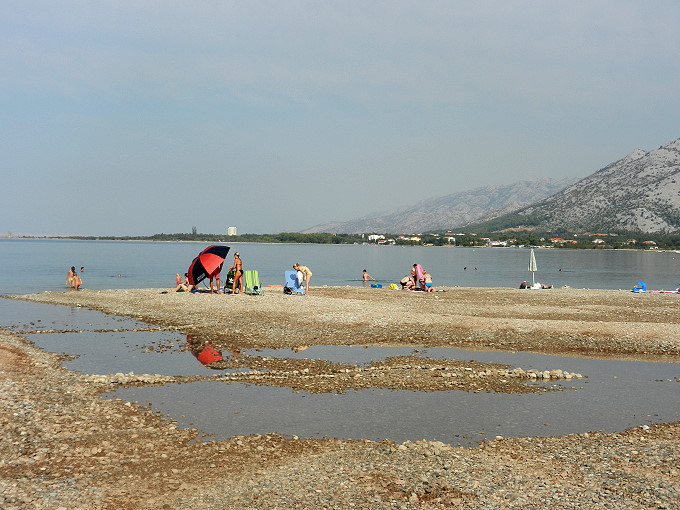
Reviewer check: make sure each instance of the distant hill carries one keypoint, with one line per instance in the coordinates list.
(451, 211)
(638, 193)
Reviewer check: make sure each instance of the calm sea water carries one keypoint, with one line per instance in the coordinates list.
(613, 396)
(36, 265)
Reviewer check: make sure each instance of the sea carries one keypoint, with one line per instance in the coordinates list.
(612, 396)
(38, 265)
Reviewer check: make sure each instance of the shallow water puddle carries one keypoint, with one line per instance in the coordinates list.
(27, 316)
(455, 417)
(124, 352)
(615, 395)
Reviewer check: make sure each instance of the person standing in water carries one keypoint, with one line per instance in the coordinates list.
(365, 276)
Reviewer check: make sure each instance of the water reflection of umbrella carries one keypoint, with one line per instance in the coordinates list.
(204, 352)
(207, 262)
(532, 266)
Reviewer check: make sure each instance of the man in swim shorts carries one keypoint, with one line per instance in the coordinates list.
(215, 276)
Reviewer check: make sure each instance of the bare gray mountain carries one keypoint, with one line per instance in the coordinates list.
(451, 211)
(640, 192)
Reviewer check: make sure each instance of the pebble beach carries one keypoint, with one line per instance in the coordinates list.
(66, 447)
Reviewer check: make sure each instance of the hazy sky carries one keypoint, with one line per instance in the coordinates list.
(138, 117)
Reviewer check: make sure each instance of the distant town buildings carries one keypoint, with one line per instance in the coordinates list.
(232, 231)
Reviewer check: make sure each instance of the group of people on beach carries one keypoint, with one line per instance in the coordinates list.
(418, 279)
(215, 279)
(304, 276)
(73, 279)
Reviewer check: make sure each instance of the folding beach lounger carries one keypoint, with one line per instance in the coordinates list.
(291, 282)
(252, 279)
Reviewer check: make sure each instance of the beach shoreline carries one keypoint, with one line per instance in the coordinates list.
(67, 447)
(577, 322)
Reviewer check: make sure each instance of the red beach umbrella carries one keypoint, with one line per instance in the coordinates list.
(207, 262)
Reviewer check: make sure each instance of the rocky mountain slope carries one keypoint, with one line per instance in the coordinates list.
(640, 192)
(450, 211)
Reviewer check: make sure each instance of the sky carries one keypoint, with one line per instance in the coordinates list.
(141, 117)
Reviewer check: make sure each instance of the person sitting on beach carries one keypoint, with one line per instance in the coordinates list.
(427, 280)
(408, 283)
(365, 276)
(306, 275)
(524, 285)
(237, 268)
(182, 284)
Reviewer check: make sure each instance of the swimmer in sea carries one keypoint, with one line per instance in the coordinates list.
(365, 276)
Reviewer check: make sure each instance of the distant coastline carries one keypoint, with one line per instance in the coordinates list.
(614, 241)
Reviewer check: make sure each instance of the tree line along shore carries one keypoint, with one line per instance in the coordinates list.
(561, 240)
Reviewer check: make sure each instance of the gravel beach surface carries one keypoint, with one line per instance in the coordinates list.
(64, 446)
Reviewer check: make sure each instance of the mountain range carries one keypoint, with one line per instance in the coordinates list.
(450, 211)
(640, 192)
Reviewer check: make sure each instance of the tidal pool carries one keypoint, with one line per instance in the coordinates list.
(616, 396)
(613, 396)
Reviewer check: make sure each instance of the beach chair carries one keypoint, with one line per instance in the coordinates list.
(228, 282)
(252, 279)
(291, 282)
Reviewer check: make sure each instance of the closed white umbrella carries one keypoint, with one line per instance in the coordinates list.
(532, 266)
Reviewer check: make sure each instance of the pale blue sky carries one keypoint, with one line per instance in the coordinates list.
(138, 117)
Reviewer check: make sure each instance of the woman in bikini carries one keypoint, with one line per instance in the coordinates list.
(238, 274)
(306, 273)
